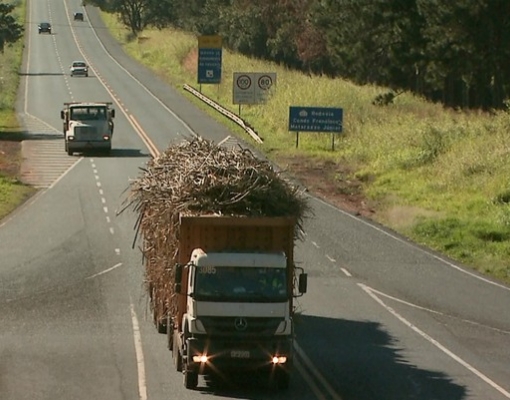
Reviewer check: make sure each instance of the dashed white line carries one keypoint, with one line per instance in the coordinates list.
(117, 251)
(108, 219)
(330, 258)
(316, 245)
(431, 340)
(97, 177)
(112, 231)
(105, 271)
(103, 200)
(105, 209)
(101, 192)
(346, 273)
(95, 171)
(98, 184)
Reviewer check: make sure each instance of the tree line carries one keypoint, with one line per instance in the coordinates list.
(453, 52)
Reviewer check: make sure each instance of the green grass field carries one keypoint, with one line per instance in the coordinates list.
(12, 193)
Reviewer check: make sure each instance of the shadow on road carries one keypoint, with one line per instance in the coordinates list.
(117, 153)
(41, 74)
(361, 361)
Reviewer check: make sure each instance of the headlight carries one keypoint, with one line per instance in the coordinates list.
(70, 138)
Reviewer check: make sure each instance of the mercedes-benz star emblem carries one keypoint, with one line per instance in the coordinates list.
(241, 324)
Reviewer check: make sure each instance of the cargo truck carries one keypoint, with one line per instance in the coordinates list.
(234, 285)
(87, 126)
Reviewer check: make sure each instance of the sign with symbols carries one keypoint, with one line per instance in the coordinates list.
(315, 119)
(209, 59)
(252, 87)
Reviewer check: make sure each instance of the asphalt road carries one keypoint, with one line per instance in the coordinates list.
(383, 319)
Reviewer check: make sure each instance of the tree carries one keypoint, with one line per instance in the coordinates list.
(10, 30)
(140, 14)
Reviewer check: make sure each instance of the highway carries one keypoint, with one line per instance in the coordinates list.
(383, 318)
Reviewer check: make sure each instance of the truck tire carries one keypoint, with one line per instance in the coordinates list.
(69, 152)
(169, 334)
(190, 380)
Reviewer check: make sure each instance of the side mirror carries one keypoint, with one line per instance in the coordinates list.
(178, 278)
(303, 283)
(62, 114)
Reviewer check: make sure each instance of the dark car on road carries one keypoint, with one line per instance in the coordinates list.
(78, 16)
(45, 27)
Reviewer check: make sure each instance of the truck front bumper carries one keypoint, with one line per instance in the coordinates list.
(211, 354)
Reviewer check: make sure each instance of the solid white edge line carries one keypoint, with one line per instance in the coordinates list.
(142, 382)
(434, 342)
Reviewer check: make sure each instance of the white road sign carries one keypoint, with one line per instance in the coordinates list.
(252, 87)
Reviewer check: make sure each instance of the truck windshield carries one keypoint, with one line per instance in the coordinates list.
(88, 113)
(250, 284)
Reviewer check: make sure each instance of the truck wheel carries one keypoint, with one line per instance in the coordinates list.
(169, 334)
(69, 152)
(190, 380)
(161, 327)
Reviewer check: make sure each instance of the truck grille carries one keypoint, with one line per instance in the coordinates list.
(85, 132)
(240, 326)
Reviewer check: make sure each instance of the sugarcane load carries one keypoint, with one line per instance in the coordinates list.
(217, 229)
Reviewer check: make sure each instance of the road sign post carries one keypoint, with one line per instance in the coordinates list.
(209, 59)
(252, 87)
(315, 119)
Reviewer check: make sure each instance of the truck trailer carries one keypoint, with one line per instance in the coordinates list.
(232, 306)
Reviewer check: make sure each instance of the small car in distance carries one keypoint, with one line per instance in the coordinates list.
(79, 68)
(44, 27)
(78, 16)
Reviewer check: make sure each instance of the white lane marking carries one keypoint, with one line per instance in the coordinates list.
(330, 258)
(64, 174)
(105, 271)
(467, 321)
(142, 382)
(105, 209)
(413, 245)
(346, 272)
(97, 177)
(318, 376)
(94, 170)
(316, 245)
(112, 230)
(431, 340)
(103, 200)
(117, 251)
(98, 184)
(101, 192)
(108, 219)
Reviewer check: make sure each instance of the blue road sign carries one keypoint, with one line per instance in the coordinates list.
(315, 119)
(209, 65)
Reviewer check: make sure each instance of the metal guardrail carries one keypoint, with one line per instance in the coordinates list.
(229, 114)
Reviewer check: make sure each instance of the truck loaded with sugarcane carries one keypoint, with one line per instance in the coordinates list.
(218, 228)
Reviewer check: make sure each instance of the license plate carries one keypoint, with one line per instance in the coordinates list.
(240, 354)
